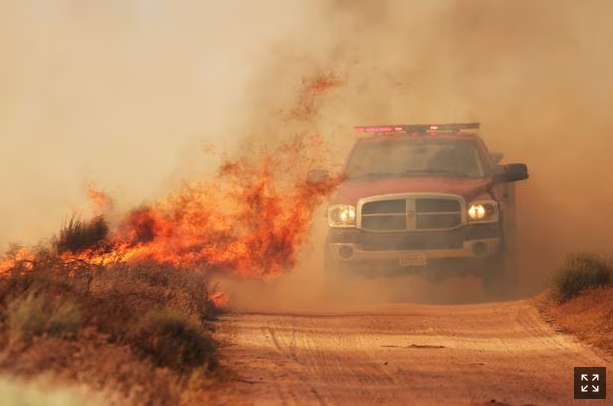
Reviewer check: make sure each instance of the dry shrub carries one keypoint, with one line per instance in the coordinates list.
(122, 294)
(35, 314)
(579, 272)
(171, 340)
(45, 300)
(78, 235)
(45, 271)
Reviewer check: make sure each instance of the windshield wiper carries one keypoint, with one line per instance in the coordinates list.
(409, 172)
(377, 175)
(435, 172)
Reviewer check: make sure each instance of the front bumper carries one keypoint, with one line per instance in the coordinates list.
(364, 247)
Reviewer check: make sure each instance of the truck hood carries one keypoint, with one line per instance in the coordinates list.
(350, 191)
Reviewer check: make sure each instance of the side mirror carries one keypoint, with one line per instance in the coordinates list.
(318, 176)
(497, 157)
(511, 173)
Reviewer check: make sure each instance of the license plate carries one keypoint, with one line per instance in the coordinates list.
(413, 260)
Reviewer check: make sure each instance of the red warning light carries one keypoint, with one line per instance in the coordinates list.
(378, 129)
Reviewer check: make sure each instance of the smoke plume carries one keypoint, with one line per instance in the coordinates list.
(126, 94)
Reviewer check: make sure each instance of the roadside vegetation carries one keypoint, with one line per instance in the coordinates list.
(581, 298)
(578, 273)
(141, 333)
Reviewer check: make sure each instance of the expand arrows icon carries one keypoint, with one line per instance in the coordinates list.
(590, 383)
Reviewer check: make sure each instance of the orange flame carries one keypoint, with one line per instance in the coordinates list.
(100, 199)
(250, 219)
(313, 90)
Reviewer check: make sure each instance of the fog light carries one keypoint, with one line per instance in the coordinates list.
(345, 252)
(479, 248)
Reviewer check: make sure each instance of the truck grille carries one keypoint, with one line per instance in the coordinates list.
(413, 213)
(411, 241)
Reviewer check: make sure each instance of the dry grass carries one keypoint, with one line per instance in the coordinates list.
(588, 316)
(579, 272)
(581, 301)
(78, 235)
(169, 339)
(35, 314)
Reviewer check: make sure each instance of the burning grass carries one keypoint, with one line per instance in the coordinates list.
(79, 235)
(251, 219)
(127, 308)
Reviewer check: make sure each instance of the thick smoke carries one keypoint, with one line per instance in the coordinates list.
(535, 74)
(123, 94)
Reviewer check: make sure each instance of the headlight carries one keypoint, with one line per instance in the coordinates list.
(341, 215)
(483, 211)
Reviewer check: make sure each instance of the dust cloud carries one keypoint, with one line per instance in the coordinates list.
(535, 74)
(124, 94)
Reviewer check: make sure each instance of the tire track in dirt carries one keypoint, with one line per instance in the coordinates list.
(406, 354)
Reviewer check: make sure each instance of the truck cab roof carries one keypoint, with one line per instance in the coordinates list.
(404, 151)
(428, 134)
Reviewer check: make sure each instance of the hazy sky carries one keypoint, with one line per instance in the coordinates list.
(120, 93)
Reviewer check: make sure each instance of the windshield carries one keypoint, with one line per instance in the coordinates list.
(416, 157)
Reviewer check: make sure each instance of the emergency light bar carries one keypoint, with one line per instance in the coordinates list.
(377, 129)
(410, 128)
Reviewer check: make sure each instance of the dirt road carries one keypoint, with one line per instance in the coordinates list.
(501, 353)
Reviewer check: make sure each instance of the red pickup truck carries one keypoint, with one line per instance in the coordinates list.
(422, 199)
